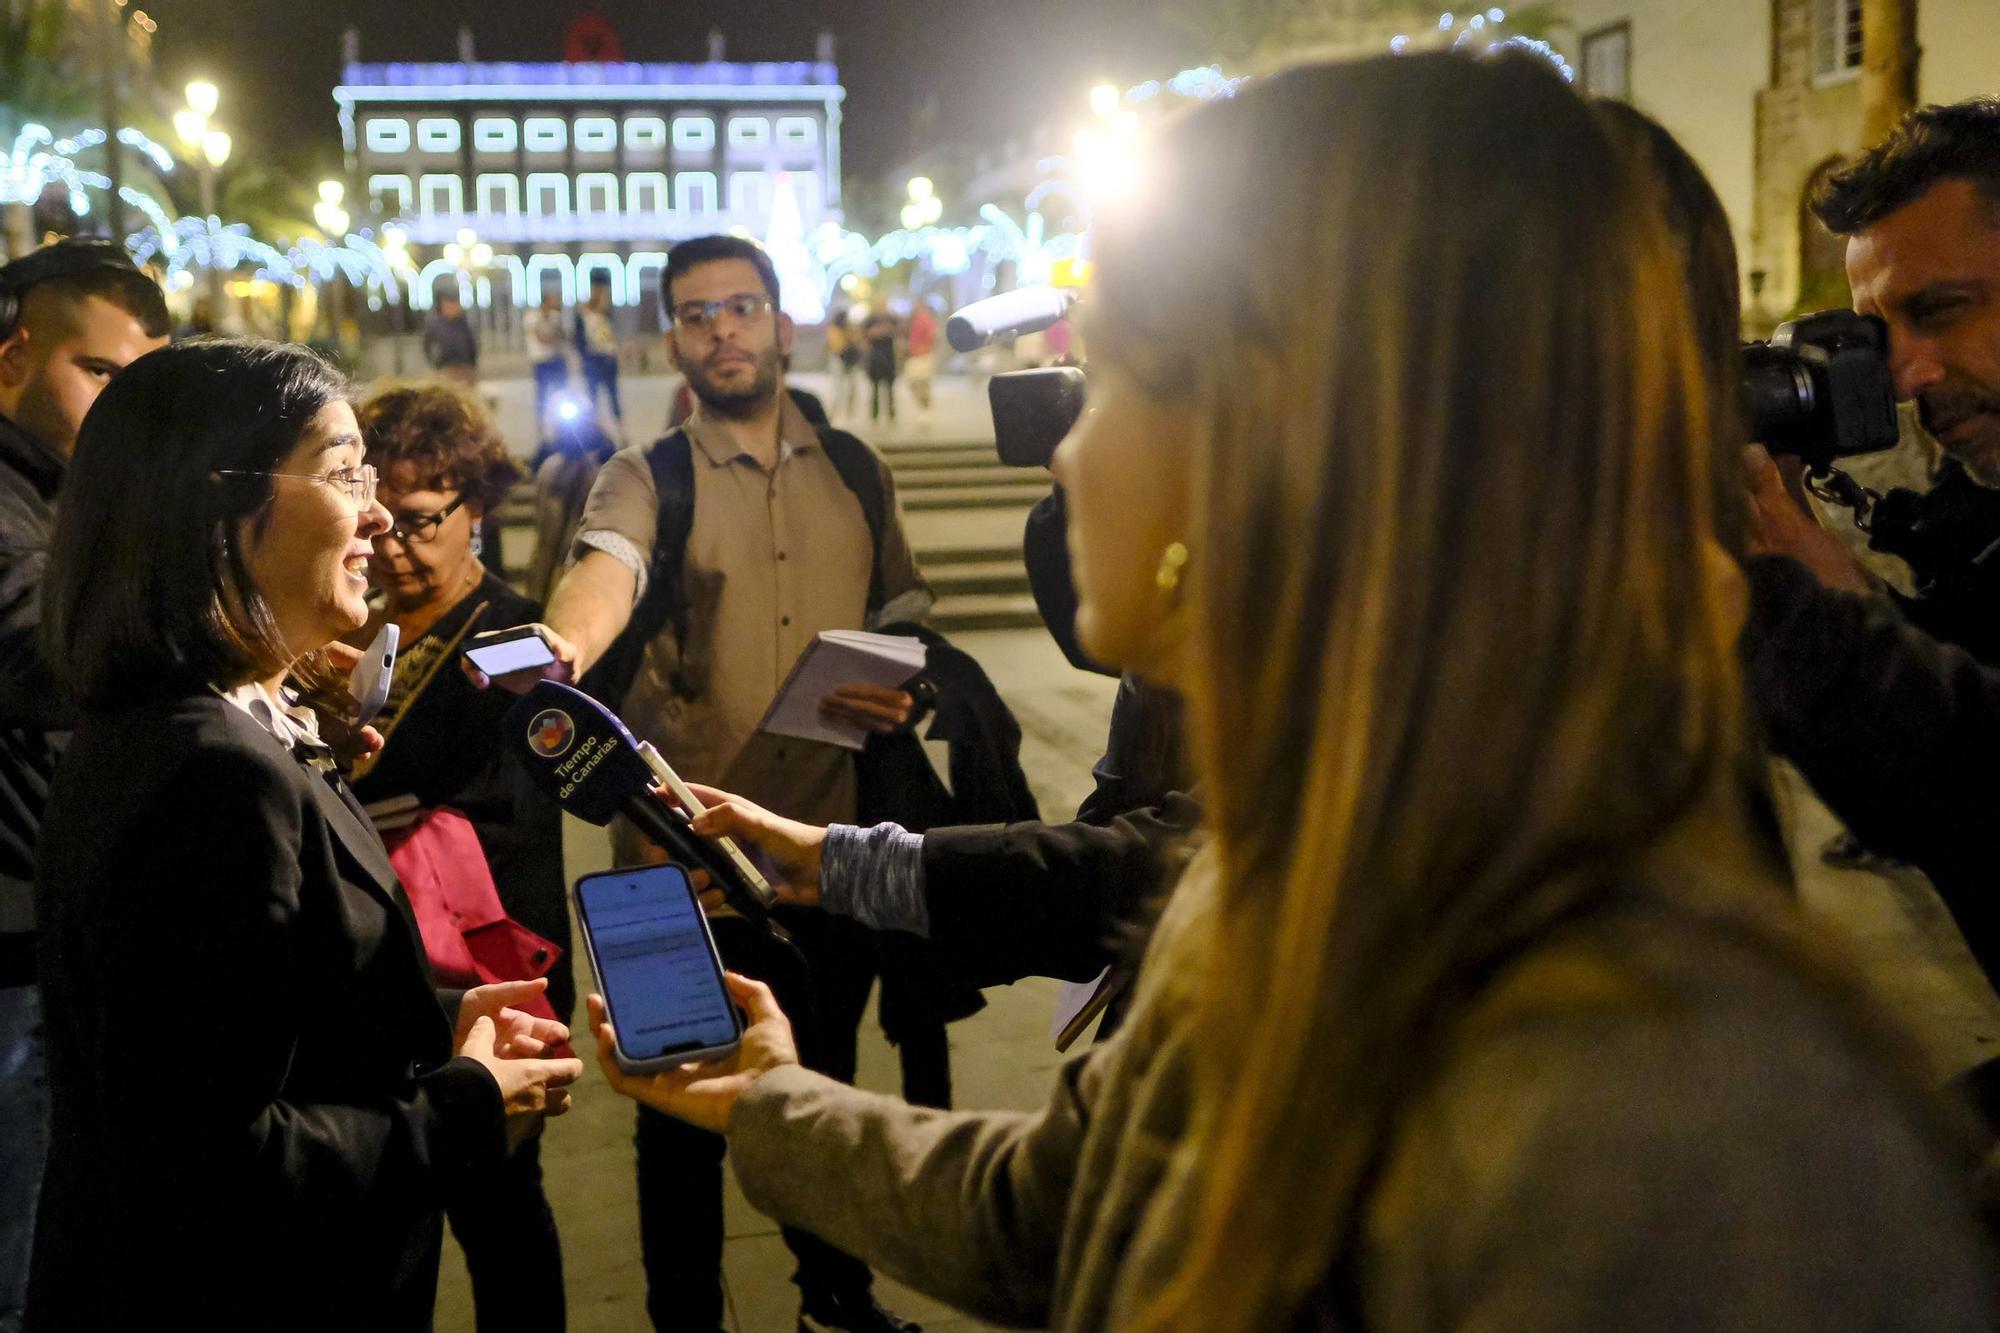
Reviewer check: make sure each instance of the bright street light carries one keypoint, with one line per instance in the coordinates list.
(203, 97)
(189, 126)
(215, 148)
(332, 192)
(1104, 99)
(921, 188)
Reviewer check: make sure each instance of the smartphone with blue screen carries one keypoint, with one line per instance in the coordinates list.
(657, 968)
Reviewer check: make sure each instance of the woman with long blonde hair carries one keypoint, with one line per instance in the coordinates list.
(1481, 1005)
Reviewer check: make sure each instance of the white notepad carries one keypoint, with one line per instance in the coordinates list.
(839, 657)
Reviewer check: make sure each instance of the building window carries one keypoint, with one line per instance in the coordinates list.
(391, 194)
(812, 199)
(644, 132)
(798, 131)
(495, 134)
(441, 196)
(1607, 61)
(545, 134)
(385, 135)
(437, 135)
(596, 192)
(1836, 38)
(548, 193)
(646, 193)
(750, 199)
(611, 265)
(694, 193)
(499, 195)
(694, 134)
(749, 132)
(596, 134)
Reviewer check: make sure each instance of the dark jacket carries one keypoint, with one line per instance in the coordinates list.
(450, 342)
(255, 1106)
(33, 711)
(449, 749)
(1898, 733)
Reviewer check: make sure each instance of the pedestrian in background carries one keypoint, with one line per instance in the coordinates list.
(450, 344)
(548, 352)
(922, 345)
(880, 335)
(597, 348)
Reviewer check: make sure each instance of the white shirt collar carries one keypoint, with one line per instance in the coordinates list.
(294, 726)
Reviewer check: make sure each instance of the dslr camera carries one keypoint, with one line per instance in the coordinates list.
(1821, 389)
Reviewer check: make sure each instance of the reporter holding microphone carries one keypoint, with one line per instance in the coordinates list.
(258, 1099)
(1481, 1006)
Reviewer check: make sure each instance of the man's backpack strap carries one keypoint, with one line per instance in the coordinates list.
(861, 473)
(664, 603)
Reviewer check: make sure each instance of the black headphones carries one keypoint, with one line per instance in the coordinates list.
(61, 260)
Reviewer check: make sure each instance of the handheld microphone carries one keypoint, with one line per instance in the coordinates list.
(582, 754)
(1028, 310)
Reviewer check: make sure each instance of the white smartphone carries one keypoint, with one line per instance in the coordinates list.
(657, 968)
(373, 674)
(501, 652)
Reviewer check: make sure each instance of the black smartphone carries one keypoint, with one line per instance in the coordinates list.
(656, 967)
(501, 652)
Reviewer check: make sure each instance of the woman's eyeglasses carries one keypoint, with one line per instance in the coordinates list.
(357, 483)
(417, 529)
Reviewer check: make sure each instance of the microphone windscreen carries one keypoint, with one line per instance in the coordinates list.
(578, 751)
(1023, 311)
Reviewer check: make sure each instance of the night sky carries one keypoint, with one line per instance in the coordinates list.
(916, 71)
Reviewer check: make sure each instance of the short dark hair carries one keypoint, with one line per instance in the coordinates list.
(700, 250)
(1933, 144)
(148, 586)
(128, 289)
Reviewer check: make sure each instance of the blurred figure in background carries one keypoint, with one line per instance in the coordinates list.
(460, 817)
(450, 344)
(880, 335)
(922, 342)
(844, 354)
(548, 354)
(597, 347)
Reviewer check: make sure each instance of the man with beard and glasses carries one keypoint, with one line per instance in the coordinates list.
(704, 566)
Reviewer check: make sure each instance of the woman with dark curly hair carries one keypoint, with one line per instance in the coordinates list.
(443, 767)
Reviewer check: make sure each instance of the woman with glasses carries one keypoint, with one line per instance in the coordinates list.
(442, 764)
(260, 1102)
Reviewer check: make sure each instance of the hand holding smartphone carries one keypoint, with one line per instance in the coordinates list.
(657, 968)
(500, 653)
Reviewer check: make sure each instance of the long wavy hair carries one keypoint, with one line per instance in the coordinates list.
(1461, 641)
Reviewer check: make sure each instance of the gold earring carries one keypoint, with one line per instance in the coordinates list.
(1167, 578)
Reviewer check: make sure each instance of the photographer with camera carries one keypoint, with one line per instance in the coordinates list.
(1896, 728)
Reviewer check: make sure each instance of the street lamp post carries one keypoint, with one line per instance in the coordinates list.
(208, 147)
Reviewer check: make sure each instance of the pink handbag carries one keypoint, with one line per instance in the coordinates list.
(467, 933)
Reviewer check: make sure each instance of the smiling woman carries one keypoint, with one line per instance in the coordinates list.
(201, 858)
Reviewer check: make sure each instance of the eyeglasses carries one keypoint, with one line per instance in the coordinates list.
(357, 482)
(417, 529)
(700, 316)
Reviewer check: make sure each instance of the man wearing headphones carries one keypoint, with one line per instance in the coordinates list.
(72, 315)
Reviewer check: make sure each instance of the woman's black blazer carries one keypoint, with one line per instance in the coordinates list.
(255, 1108)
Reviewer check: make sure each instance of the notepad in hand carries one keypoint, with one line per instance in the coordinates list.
(839, 657)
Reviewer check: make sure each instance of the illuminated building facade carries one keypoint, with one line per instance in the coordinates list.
(571, 169)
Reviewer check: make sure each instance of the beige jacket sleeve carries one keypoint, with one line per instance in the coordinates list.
(963, 1206)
